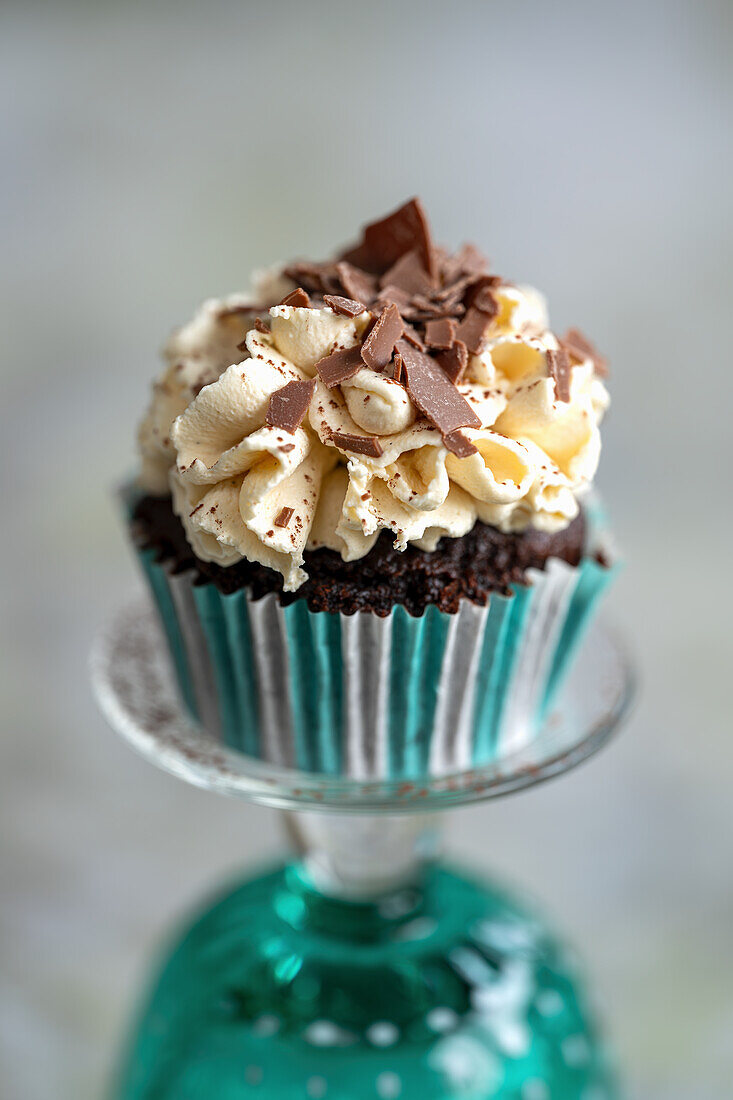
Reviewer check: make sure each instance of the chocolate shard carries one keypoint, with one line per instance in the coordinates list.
(558, 367)
(433, 393)
(412, 336)
(346, 306)
(367, 445)
(357, 284)
(340, 365)
(397, 367)
(580, 347)
(386, 240)
(468, 260)
(459, 444)
(376, 351)
(298, 298)
(480, 296)
(454, 360)
(394, 294)
(288, 406)
(409, 274)
(261, 326)
(440, 333)
(283, 517)
(473, 330)
(314, 278)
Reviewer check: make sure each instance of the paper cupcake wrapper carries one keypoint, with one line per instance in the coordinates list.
(370, 697)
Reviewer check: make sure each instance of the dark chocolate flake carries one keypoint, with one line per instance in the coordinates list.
(340, 365)
(376, 351)
(558, 367)
(433, 393)
(288, 406)
(346, 306)
(298, 298)
(283, 517)
(360, 444)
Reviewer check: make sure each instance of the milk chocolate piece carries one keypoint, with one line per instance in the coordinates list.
(386, 240)
(360, 444)
(459, 444)
(283, 517)
(409, 274)
(580, 347)
(358, 284)
(454, 360)
(558, 367)
(473, 330)
(288, 406)
(340, 365)
(376, 351)
(346, 306)
(433, 393)
(441, 333)
(297, 298)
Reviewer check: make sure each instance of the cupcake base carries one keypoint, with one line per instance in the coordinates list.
(373, 696)
(469, 568)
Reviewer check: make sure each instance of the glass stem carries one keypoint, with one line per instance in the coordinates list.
(360, 857)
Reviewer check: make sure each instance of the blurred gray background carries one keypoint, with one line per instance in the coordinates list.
(151, 156)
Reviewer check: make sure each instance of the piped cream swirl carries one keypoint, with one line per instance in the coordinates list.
(234, 478)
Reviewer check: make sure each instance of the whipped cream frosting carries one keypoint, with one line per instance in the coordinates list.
(245, 488)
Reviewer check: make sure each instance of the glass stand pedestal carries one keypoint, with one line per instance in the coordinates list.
(364, 968)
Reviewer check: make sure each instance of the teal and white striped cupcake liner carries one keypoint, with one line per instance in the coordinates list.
(369, 697)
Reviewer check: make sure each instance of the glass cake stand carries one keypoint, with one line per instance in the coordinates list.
(363, 967)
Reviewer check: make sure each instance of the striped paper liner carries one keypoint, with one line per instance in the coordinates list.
(372, 697)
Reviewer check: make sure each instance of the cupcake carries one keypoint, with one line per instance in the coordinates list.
(359, 509)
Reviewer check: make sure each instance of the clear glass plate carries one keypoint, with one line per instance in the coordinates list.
(135, 690)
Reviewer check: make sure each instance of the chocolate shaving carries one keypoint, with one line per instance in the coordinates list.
(409, 274)
(440, 334)
(340, 365)
(473, 329)
(433, 393)
(385, 241)
(376, 351)
(261, 326)
(360, 444)
(454, 360)
(558, 367)
(412, 336)
(394, 295)
(480, 296)
(358, 284)
(283, 517)
(346, 306)
(298, 298)
(580, 347)
(243, 345)
(459, 444)
(314, 278)
(288, 406)
(397, 367)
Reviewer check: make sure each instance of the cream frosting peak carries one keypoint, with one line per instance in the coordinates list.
(364, 459)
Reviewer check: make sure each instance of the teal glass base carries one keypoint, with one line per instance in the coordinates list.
(448, 988)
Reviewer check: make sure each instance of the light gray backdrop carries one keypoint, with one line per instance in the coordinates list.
(151, 155)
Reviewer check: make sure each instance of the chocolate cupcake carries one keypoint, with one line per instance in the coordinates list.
(358, 509)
